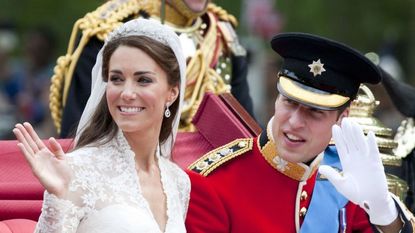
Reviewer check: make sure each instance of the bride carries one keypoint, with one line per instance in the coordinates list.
(119, 177)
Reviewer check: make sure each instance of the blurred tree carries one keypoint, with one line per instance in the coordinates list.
(365, 25)
(60, 15)
(233, 6)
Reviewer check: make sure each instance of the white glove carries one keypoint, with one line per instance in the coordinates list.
(363, 181)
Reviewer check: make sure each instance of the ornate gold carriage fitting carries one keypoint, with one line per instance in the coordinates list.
(361, 110)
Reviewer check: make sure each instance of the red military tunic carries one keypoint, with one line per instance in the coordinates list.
(245, 187)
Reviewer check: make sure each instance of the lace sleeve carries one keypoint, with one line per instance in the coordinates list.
(177, 183)
(58, 215)
(63, 215)
(183, 185)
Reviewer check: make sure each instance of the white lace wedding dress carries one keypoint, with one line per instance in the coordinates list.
(105, 194)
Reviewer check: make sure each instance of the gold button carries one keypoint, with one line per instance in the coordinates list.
(214, 157)
(225, 151)
(242, 144)
(201, 165)
(303, 211)
(304, 195)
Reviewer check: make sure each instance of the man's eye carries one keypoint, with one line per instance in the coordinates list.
(317, 112)
(289, 101)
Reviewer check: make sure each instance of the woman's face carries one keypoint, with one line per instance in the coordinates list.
(137, 91)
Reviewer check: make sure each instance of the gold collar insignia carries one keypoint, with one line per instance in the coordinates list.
(296, 171)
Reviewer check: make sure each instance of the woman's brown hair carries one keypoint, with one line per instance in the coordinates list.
(102, 127)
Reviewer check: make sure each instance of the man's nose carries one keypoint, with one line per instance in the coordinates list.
(297, 119)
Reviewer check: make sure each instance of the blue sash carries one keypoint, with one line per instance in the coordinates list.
(326, 206)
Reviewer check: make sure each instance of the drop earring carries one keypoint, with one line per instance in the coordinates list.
(167, 112)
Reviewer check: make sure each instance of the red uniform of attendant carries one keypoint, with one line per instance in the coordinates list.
(247, 194)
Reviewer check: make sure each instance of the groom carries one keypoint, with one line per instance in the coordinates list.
(289, 179)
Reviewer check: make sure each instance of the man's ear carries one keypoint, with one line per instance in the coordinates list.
(345, 113)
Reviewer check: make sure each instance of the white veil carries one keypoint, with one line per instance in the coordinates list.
(139, 27)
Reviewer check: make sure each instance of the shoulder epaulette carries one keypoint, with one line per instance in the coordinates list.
(213, 159)
(109, 16)
(222, 14)
(227, 24)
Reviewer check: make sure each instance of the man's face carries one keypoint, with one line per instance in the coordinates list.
(301, 132)
(194, 5)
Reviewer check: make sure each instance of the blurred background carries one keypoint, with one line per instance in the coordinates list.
(33, 33)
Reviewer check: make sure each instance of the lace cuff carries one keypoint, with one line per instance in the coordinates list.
(58, 215)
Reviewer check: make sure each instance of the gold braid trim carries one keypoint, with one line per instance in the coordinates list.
(219, 156)
(201, 78)
(222, 14)
(98, 23)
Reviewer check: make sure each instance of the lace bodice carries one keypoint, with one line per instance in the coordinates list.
(105, 194)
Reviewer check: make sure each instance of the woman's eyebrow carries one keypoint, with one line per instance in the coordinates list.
(144, 72)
